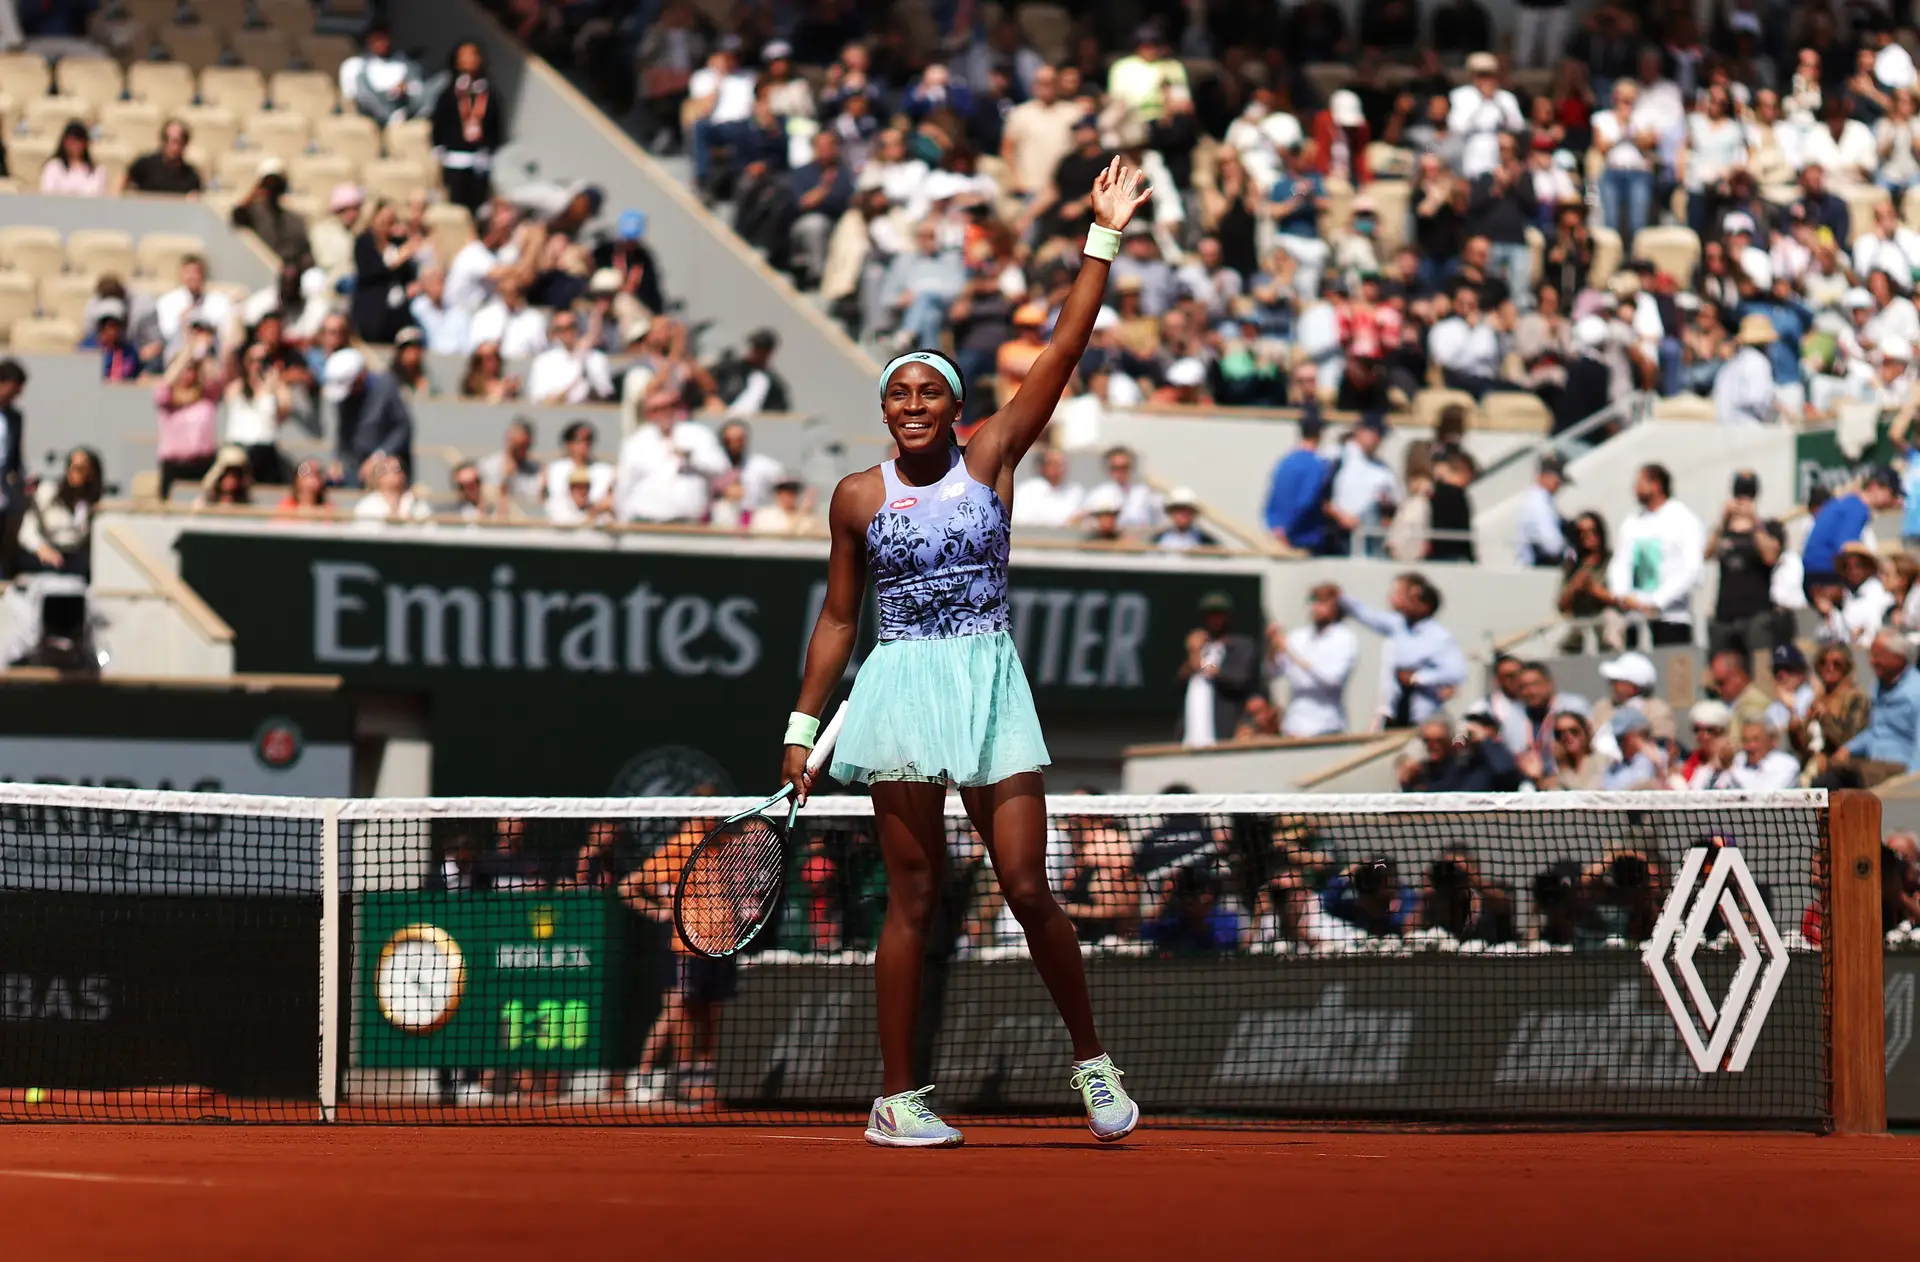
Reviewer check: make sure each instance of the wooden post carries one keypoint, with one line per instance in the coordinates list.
(1855, 948)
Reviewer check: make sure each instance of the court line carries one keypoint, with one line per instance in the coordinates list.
(86, 1176)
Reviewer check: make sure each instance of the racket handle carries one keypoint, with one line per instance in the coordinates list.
(823, 744)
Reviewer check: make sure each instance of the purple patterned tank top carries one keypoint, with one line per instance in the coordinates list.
(938, 557)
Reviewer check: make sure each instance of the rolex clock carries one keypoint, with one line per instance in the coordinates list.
(420, 978)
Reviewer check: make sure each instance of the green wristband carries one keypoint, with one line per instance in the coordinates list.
(1102, 243)
(802, 729)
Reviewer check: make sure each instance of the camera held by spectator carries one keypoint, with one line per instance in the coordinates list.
(1463, 904)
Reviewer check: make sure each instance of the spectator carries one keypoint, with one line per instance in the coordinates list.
(1048, 499)
(1744, 391)
(1857, 607)
(1839, 710)
(390, 498)
(665, 465)
(1639, 766)
(748, 483)
(1140, 509)
(1370, 897)
(520, 486)
(1422, 665)
(1183, 532)
(760, 388)
(1038, 134)
(1479, 111)
(1847, 519)
(447, 330)
(1747, 548)
(1543, 535)
(626, 255)
(1657, 559)
(1294, 206)
(71, 170)
(470, 494)
(1794, 695)
(1140, 81)
(227, 484)
(382, 85)
(721, 95)
(918, 286)
(569, 370)
(1452, 511)
(371, 415)
(386, 268)
(188, 401)
(1361, 492)
(1191, 919)
(1478, 763)
(256, 403)
(1889, 745)
(307, 497)
(263, 213)
(1101, 514)
(331, 240)
(510, 321)
(56, 534)
(577, 506)
(578, 440)
(466, 129)
(1731, 674)
(1316, 661)
(789, 513)
(1576, 766)
(13, 381)
(118, 361)
(1221, 670)
(1017, 355)
(1759, 765)
(475, 271)
(409, 364)
(1631, 682)
(192, 305)
(486, 378)
(165, 170)
(1294, 512)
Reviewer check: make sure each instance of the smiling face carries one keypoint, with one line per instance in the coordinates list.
(919, 407)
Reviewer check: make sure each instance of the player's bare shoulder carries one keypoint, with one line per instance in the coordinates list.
(856, 498)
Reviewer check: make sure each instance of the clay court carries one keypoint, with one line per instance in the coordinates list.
(204, 1192)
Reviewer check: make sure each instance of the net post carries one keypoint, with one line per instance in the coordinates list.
(329, 960)
(1856, 1016)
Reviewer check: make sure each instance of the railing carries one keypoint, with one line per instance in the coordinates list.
(1578, 438)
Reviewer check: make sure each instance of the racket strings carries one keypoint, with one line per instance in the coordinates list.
(731, 885)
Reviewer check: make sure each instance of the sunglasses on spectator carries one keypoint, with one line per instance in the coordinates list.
(1702, 727)
(1564, 732)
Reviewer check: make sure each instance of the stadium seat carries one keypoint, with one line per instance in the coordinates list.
(1328, 77)
(32, 250)
(241, 89)
(412, 139)
(51, 114)
(1862, 200)
(134, 123)
(45, 337)
(114, 157)
(349, 136)
(451, 227)
(27, 153)
(96, 80)
(1683, 407)
(1425, 408)
(295, 17)
(195, 47)
(160, 254)
(397, 179)
(1910, 208)
(124, 36)
(166, 85)
(1049, 28)
(1674, 250)
(1512, 410)
(101, 251)
(279, 133)
(18, 301)
(1606, 257)
(214, 129)
(24, 76)
(237, 170)
(152, 12)
(229, 17)
(1391, 201)
(305, 92)
(267, 51)
(325, 52)
(318, 174)
(65, 297)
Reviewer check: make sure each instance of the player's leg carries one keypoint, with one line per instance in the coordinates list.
(649, 1084)
(910, 818)
(1011, 817)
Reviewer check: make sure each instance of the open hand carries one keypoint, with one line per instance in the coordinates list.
(1118, 192)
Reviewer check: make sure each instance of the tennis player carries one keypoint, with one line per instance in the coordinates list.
(942, 698)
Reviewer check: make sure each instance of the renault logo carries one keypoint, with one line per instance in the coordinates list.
(1721, 1036)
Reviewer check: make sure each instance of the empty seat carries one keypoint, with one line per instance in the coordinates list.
(397, 179)
(51, 114)
(307, 92)
(131, 122)
(237, 170)
(160, 254)
(114, 157)
(18, 300)
(241, 89)
(102, 252)
(411, 139)
(1862, 201)
(1684, 407)
(276, 132)
(267, 51)
(166, 85)
(1513, 410)
(214, 128)
(195, 47)
(295, 17)
(65, 297)
(228, 17)
(318, 174)
(325, 52)
(24, 76)
(1427, 406)
(44, 337)
(350, 136)
(451, 227)
(1672, 249)
(32, 250)
(27, 153)
(96, 80)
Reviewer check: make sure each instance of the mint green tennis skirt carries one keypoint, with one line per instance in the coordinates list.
(954, 709)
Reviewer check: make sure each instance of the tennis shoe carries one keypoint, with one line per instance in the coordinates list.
(649, 1086)
(905, 1121)
(1111, 1112)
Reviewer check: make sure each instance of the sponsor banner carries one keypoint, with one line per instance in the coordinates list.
(101, 992)
(1535, 1036)
(1901, 979)
(655, 669)
(1819, 461)
(487, 981)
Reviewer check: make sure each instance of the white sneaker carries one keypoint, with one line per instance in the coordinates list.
(588, 1086)
(1111, 1112)
(905, 1121)
(648, 1086)
(471, 1095)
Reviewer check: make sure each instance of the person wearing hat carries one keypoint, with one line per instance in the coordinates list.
(1102, 514)
(1221, 670)
(1855, 608)
(1183, 532)
(1793, 692)
(1478, 112)
(1017, 356)
(228, 482)
(331, 239)
(1543, 532)
(1340, 139)
(1186, 384)
(371, 416)
(1631, 683)
(1744, 392)
(625, 251)
(1845, 519)
(790, 513)
(118, 360)
(1640, 762)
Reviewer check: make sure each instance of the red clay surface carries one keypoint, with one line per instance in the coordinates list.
(474, 1194)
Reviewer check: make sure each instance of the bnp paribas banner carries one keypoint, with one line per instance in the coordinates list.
(590, 671)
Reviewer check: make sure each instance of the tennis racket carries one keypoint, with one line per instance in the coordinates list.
(732, 881)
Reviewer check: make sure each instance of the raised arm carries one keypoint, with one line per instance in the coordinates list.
(1000, 444)
(830, 646)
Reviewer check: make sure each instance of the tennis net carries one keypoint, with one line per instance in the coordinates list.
(1574, 959)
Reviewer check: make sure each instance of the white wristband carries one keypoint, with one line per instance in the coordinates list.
(1102, 243)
